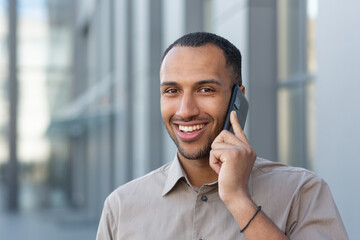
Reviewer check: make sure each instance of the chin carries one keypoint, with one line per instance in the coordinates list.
(199, 153)
(192, 150)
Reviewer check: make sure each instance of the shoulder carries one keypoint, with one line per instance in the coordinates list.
(297, 200)
(278, 171)
(269, 177)
(151, 183)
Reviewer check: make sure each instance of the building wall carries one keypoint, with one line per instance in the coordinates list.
(338, 114)
(116, 98)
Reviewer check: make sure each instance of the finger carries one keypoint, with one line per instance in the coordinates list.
(215, 160)
(223, 145)
(237, 128)
(227, 137)
(235, 124)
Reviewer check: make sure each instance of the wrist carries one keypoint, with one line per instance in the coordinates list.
(242, 208)
(238, 201)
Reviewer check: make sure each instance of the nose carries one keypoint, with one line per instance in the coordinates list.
(188, 107)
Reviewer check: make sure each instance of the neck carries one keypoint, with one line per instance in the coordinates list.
(198, 171)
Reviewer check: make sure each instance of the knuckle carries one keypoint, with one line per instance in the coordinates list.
(223, 132)
(243, 151)
(253, 154)
(233, 153)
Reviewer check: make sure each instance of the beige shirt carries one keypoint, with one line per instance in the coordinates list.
(163, 205)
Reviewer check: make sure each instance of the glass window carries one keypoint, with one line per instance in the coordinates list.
(33, 112)
(296, 69)
(44, 54)
(290, 125)
(4, 104)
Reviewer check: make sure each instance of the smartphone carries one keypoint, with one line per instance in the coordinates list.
(240, 105)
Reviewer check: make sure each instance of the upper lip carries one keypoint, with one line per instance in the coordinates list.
(189, 123)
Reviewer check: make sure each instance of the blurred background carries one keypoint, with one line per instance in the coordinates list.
(79, 98)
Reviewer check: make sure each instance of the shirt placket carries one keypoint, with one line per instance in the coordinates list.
(204, 194)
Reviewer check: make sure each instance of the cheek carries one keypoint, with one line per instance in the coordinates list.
(218, 111)
(216, 107)
(167, 109)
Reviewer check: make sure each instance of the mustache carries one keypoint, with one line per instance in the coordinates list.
(190, 119)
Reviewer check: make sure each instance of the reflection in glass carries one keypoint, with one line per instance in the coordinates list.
(312, 9)
(4, 104)
(296, 69)
(290, 125)
(310, 124)
(289, 39)
(33, 113)
(44, 54)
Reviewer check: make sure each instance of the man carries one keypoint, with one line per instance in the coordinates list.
(216, 187)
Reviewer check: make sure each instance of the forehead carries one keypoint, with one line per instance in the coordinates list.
(207, 61)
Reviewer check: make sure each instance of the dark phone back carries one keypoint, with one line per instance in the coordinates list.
(240, 105)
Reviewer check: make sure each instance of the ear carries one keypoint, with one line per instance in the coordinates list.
(242, 89)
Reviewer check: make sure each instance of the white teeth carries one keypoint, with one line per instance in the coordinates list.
(191, 128)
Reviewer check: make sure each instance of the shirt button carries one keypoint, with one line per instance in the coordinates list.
(204, 199)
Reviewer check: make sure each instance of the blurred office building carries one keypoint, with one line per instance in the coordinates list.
(88, 100)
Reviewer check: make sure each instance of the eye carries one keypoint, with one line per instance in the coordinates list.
(171, 91)
(206, 90)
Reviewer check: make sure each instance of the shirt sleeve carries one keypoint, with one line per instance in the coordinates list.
(107, 225)
(314, 214)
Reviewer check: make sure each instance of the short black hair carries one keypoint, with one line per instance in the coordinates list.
(231, 53)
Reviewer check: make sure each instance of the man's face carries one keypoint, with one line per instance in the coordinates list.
(195, 92)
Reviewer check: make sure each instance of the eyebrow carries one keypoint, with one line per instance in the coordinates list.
(169, 83)
(202, 82)
(208, 81)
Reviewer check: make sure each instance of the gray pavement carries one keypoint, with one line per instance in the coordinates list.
(45, 225)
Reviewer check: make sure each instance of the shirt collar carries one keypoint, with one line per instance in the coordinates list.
(175, 173)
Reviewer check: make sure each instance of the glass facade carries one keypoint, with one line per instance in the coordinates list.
(82, 130)
(296, 69)
(43, 79)
(89, 90)
(33, 111)
(4, 103)
(88, 101)
(88, 71)
(59, 77)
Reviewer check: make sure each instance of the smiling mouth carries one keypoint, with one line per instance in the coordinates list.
(190, 129)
